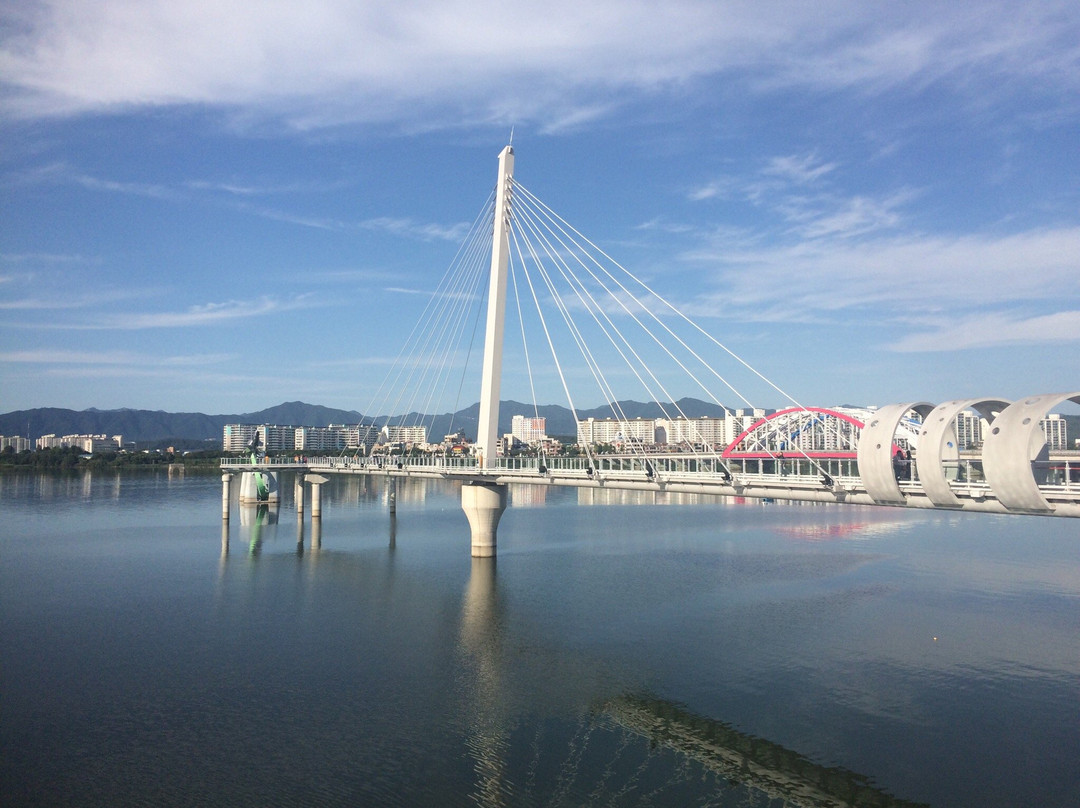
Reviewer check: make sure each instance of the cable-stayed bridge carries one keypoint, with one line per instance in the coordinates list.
(602, 329)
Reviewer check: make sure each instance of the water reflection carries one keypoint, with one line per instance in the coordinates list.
(257, 517)
(631, 749)
(481, 643)
(755, 763)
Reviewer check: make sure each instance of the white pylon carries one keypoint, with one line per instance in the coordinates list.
(488, 428)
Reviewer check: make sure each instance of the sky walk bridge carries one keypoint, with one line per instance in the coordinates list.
(906, 454)
(793, 479)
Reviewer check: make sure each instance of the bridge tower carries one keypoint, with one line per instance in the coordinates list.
(483, 501)
(488, 429)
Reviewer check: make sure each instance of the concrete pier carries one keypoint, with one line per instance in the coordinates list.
(259, 487)
(483, 504)
(298, 494)
(316, 481)
(226, 485)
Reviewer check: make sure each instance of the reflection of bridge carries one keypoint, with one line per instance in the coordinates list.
(801, 453)
(741, 760)
(779, 773)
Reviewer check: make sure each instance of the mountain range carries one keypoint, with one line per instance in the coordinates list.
(158, 425)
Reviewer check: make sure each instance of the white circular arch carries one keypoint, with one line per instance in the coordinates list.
(1013, 442)
(875, 451)
(937, 445)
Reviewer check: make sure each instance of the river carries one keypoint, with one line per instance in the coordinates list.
(623, 649)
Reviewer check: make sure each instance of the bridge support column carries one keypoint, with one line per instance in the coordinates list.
(298, 493)
(226, 484)
(483, 504)
(316, 481)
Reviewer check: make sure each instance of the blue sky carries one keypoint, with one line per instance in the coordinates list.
(218, 206)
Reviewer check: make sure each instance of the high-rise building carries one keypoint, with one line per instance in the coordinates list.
(741, 420)
(408, 435)
(1055, 428)
(639, 432)
(236, 437)
(16, 442)
(969, 430)
(703, 432)
(528, 430)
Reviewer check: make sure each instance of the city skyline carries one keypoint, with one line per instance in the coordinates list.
(210, 210)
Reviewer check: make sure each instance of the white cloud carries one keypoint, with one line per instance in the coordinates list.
(70, 299)
(442, 62)
(993, 329)
(49, 356)
(45, 258)
(795, 187)
(206, 314)
(134, 188)
(905, 280)
(407, 227)
(802, 169)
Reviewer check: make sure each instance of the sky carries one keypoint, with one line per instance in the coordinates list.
(216, 206)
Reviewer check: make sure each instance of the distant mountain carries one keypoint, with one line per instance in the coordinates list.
(153, 425)
(156, 425)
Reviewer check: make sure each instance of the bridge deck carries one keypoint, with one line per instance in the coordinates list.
(672, 473)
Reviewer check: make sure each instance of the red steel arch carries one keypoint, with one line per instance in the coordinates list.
(802, 416)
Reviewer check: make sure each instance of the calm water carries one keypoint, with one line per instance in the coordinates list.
(623, 650)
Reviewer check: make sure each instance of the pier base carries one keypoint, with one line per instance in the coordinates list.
(259, 487)
(483, 504)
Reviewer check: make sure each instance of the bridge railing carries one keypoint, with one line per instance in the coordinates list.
(1058, 479)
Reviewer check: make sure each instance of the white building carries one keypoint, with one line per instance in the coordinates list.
(407, 435)
(969, 430)
(17, 443)
(741, 420)
(639, 432)
(1055, 428)
(528, 430)
(86, 443)
(236, 437)
(50, 441)
(703, 432)
(272, 438)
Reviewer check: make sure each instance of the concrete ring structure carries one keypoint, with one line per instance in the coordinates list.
(876, 451)
(938, 445)
(1012, 443)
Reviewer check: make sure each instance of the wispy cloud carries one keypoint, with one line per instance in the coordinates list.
(243, 189)
(46, 258)
(195, 316)
(797, 189)
(902, 280)
(332, 61)
(134, 188)
(801, 169)
(407, 227)
(992, 329)
(48, 356)
(206, 314)
(237, 199)
(70, 299)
